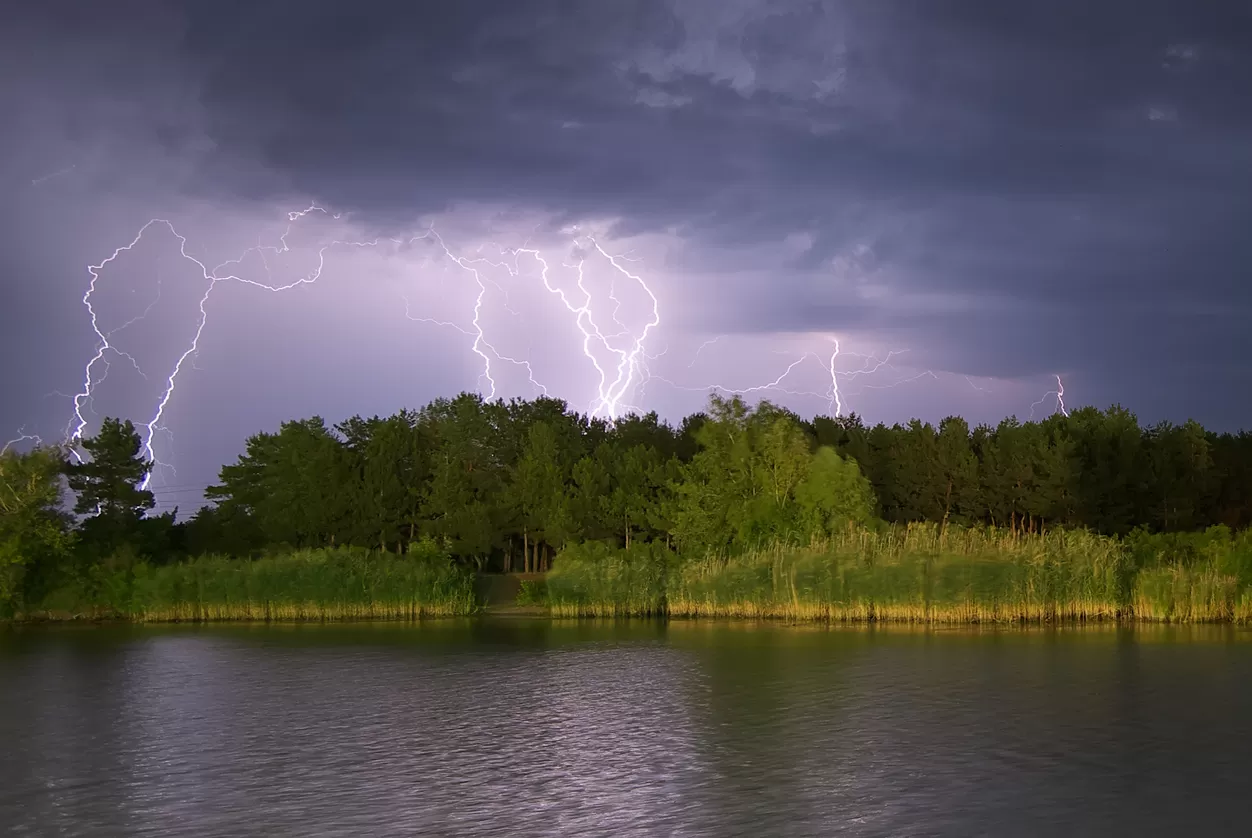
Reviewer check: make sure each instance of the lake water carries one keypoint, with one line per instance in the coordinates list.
(522, 727)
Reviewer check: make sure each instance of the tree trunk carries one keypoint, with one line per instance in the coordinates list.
(525, 550)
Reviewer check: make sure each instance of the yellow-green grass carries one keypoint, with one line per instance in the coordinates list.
(923, 574)
(593, 580)
(917, 574)
(339, 584)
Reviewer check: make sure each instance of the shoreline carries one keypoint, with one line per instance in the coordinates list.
(537, 614)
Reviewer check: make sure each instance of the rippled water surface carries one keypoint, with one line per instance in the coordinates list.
(518, 728)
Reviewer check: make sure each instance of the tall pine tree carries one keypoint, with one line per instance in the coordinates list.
(108, 484)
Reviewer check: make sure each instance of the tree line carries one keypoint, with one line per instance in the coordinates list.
(505, 485)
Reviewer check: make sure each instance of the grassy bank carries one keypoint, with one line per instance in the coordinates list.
(920, 574)
(338, 584)
(916, 574)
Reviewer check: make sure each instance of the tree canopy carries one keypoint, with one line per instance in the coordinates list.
(506, 484)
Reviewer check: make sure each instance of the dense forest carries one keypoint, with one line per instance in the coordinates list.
(506, 486)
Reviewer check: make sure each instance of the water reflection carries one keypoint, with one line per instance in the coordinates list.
(532, 728)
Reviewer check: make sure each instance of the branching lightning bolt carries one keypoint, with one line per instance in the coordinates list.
(701, 348)
(832, 395)
(1058, 394)
(608, 402)
(610, 393)
(480, 341)
(22, 436)
(630, 364)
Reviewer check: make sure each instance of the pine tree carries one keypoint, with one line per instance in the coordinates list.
(108, 483)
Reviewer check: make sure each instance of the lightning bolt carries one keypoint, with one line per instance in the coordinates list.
(701, 348)
(832, 395)
(480, 340)
(631, 367)
(834, 405)
(607, 402)
(1058, 394)
(52, 175)
(22, 436)
(971, 383)
(212, 277)
(630, 363)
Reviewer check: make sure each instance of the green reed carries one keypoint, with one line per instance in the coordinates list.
(922, 573)
(594, 580)
(913, 574)
(333, 584)
(1193, 577)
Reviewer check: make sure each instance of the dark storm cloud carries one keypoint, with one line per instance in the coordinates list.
(1072, 177)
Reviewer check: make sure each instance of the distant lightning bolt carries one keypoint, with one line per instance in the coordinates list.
(52, 175)
(834, 404)
(629, 365)
(22, 436)
(833, 394)
(584, 321)
(971, 383)
(704, 346)
(776, 385)
(480, 340)
(1058, 394)
(433, 321)
(631, 360)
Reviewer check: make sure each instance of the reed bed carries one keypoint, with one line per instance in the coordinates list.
(337, 584)
(923, 574)
(1195, 577)
(918, 574)
(594, 580)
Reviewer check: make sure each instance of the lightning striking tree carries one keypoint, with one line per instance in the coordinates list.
(108, 484)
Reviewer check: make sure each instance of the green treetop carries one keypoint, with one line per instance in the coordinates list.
(108, 484)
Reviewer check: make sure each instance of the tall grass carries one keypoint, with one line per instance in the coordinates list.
(1193, 577)
(595, 580)
(913, 574)
(924, 574)
(334, 584)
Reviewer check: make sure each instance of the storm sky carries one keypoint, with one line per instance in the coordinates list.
(998, 192)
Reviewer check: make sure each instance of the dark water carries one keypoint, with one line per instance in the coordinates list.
(519, 728)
